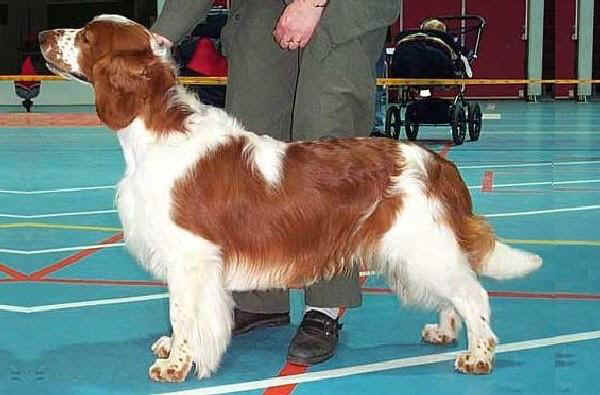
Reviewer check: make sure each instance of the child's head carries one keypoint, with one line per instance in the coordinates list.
(433, 24)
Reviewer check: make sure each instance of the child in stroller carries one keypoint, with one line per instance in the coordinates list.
(442, 48)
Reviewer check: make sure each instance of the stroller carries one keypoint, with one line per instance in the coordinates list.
(429, 53)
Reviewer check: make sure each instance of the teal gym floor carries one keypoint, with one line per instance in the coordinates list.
(78, 316)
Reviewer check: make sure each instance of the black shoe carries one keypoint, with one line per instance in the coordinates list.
(315, 340)
(245, 321)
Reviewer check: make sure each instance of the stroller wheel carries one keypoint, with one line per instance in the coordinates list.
(411, 129)
(458, 124)
(393, 122)
(475, 121)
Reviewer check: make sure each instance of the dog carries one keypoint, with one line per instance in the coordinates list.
(210, 207)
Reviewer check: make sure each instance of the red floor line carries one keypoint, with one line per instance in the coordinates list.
(70, 260)
(290, 369)
(516, 294)
(488, 181)
(15, 275)
(544, 295)
(287, 370)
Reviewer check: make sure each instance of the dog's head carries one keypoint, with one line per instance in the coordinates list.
(124, 62)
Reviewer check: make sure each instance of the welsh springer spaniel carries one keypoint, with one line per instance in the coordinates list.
(211, 208)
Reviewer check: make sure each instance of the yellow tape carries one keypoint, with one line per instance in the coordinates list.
(588, 243)
(380, 81)
(414, 81)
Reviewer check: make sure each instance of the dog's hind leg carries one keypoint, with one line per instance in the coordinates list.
(446, 330)
(428, 269)
(201, 315)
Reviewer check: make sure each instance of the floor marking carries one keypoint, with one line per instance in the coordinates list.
(366, 290)
(287, 370)
(488, 182)
(99, 302)
(65, 249)
(586, 243)
(53, 120)
(509, 294)
(44, 225)
(558, 210)
(492, 165)
(539, 164)
(69, 214)
(521, 184)
(13, 274)
(488, 115)
(385, 365)
(70, 260)
(120, 283)
(60, 190)
(543, 295)
(444, 151)
(592, 243)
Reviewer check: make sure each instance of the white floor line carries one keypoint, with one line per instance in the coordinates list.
(99, 302)
(523, 184)
(558, 210)
(63, 249)
(492, 166)
(97, 212)
(383, 366)
(52, 215)
(534, 164)
(60, 190)
(491, 115)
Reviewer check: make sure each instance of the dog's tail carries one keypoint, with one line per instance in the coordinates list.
(505, 262)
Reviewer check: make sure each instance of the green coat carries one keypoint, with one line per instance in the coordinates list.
(336, 76)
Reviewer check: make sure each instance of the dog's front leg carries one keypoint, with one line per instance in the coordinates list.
(471, 302)
(200, 311)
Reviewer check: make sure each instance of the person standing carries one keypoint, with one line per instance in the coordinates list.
(298, 70)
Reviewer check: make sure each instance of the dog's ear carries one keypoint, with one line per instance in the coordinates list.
(121, 84)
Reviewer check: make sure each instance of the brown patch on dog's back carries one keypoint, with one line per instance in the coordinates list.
(331, 205)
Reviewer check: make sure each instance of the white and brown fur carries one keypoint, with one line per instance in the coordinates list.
(211, 208)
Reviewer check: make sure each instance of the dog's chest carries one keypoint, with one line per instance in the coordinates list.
(144, 199)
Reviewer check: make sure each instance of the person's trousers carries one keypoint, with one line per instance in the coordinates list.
(324, 90)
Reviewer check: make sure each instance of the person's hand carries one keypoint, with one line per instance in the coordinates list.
(297, 24)
(163, 41)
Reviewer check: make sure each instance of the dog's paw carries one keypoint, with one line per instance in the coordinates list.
(432, 333)
(162, 347)
(165, 370)
(480, 358)
(470, 363)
